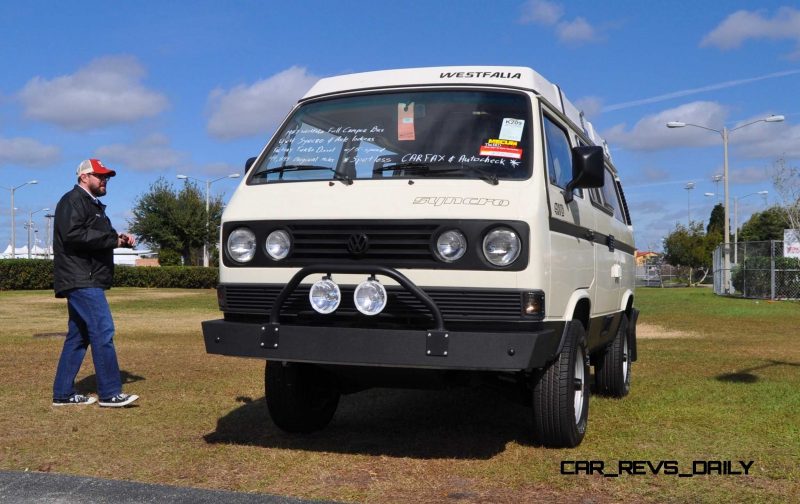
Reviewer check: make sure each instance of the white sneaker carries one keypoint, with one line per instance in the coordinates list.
(118, 400)
(74, 399)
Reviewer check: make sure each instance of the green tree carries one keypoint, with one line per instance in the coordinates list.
(716, 223)
(174, 221)
(766, 225)
(715, 231)
(690, 247)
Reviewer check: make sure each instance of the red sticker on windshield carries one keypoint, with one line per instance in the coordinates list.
(405, 121)
(500, 151)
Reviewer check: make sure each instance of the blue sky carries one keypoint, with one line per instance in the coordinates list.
(161, 88)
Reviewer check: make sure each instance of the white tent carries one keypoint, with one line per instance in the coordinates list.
(22, 252)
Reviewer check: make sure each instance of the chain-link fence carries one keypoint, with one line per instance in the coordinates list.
(655, 273)
(757, 270)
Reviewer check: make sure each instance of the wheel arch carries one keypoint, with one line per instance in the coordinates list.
(627, 302)
(579, 307)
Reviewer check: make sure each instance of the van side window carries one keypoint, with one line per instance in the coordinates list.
(559, 156)
(596, 197)
(624, 203)
(610, 197)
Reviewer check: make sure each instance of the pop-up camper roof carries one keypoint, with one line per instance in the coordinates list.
(510, 77)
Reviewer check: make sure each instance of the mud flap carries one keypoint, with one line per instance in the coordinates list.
(634, 316)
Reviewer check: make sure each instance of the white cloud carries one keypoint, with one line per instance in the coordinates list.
(106, 91)
(27, 152)
(258, 108)
(572, 32)
(769, 140)
(745, 25)
(651, 132)
(576, 32)
(541, 12)
(152, 153)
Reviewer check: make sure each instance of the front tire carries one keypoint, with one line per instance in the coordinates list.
(613, 366)
(561, 394)
(300, 397)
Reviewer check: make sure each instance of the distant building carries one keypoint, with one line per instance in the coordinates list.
(645, 256)
(132, 257)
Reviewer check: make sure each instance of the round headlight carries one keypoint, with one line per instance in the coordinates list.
(325, 296)
(278, 244)
(370, 297)
(241, 245)
(501, 247)
(451, 245)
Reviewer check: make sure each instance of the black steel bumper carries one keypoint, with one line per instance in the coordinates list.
(436, 348)
(501, 351)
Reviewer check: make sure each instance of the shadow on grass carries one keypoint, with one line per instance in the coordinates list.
(89, 384)
(746, 375)
(459, 423)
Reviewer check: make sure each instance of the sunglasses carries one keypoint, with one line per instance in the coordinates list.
(100, 177)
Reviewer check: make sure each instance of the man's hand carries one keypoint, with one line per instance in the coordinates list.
(125, 240)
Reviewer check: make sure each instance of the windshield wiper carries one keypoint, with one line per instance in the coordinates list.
(289, 168)
(483, 174)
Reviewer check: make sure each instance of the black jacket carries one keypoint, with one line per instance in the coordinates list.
(83, 243)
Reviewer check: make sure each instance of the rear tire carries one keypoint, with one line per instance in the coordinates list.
(612, 368)
(561, 394)
(300, 397)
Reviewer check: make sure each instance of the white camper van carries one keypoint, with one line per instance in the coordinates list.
(431, 227)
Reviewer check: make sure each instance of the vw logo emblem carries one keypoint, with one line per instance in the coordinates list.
(358, 244)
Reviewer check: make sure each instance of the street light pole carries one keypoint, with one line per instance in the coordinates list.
(727, 225)
(205, 242)
(30, 227)
(13, 216)
(208, 183)
(48, 242)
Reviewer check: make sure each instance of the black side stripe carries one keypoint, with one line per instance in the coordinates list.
(584, 233)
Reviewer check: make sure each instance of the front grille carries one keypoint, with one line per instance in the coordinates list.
(455, 304)
(382, 241)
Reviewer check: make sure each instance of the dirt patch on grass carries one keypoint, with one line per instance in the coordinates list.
(152, 294)
(649, 331)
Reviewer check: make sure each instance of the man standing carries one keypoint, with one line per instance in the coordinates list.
(83, 246)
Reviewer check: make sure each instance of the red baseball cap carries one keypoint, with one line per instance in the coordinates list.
(94, 166)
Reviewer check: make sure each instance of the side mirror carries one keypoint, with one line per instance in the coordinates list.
(587, 169)
(248, 164)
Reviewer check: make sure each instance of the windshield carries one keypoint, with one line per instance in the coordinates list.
(443, 134)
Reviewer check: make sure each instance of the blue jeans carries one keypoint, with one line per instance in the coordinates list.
(90, 323)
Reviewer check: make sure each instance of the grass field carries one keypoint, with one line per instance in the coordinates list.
(717, 379)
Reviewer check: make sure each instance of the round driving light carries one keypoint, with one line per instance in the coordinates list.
(278, 244)
(324, 296)
(241, 245)
(501, 247)
(370, 297)
(451, 245)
